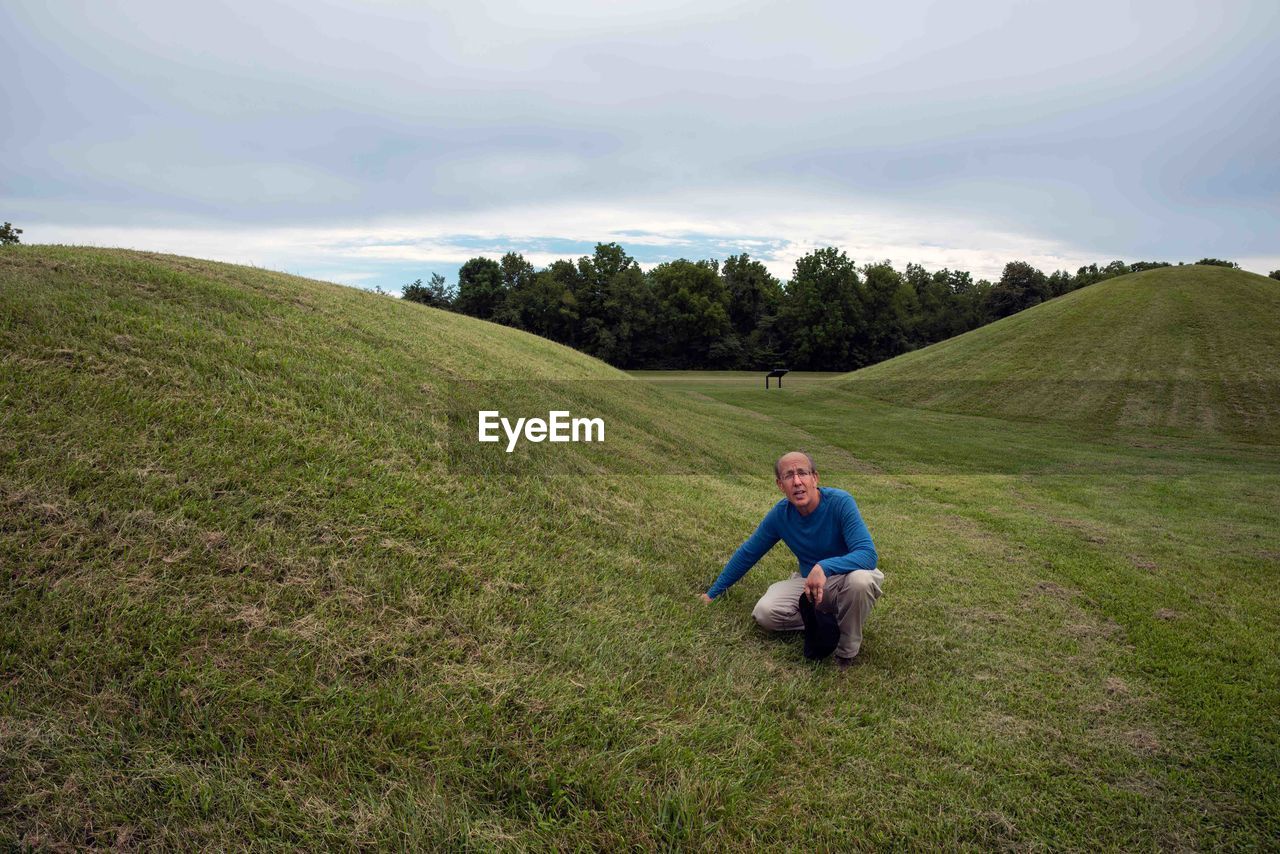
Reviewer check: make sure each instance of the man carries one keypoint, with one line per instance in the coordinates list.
(825, 531)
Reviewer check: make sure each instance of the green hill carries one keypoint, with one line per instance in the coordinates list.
(258, 568)
(1187, 350)
(260, 586)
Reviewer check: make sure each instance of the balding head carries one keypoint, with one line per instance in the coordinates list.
(797, 477)
(800, 458)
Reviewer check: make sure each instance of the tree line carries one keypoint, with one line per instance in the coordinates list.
(832, 315)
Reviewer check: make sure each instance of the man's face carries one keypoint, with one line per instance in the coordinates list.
(798, 482)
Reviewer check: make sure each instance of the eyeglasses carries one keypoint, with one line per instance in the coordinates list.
(795, 473)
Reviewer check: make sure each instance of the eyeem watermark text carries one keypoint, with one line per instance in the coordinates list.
(557, 427)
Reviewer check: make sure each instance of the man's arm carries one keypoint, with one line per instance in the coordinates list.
(756, 547)
(861, 552)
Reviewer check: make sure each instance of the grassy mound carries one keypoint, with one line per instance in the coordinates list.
(260, 585)
(257, 568)
(1182, 350)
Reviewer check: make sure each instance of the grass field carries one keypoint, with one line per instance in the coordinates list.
(1176, 351)
(262, 588)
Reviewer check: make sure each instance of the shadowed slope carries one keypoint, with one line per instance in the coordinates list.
(1191, 350)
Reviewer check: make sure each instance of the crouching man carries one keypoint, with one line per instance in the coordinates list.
(825, 531)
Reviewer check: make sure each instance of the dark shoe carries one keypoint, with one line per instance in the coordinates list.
(845, 663)
(821, 631)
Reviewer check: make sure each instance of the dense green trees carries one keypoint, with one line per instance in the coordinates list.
(821, 319)
(546, 305)
(1021, 287)
(948, 302)
(830, 316)
(693, 313)
(480, 289)
(9, 234)
(619, 310)
(755, 297)
(436, 293)
(890, 310)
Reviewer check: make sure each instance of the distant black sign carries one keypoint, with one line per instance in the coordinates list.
(776, 372)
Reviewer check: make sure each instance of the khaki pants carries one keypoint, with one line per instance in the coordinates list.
(848, 595)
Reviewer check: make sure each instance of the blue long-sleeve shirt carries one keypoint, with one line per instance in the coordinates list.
(833, 535)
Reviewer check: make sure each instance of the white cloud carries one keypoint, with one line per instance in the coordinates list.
(393, 133)
(775, 229)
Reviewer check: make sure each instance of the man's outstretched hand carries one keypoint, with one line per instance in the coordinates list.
(813, 584)
(705, 598)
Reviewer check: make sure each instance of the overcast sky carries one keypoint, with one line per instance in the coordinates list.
(374, 143)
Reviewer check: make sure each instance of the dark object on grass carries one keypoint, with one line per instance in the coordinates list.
(821, 631)
(776, 372)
